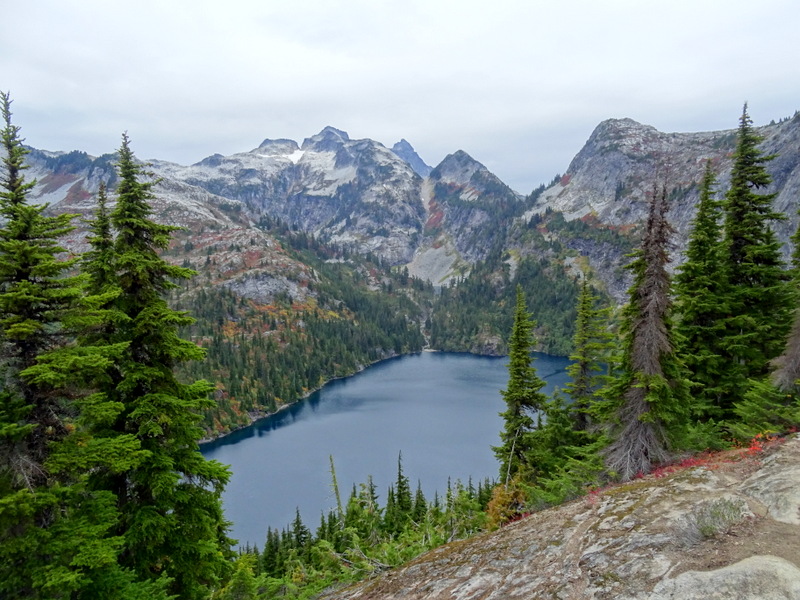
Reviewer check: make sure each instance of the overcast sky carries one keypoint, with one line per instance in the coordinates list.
(519, 85)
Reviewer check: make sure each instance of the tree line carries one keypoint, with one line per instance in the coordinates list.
(358, 539)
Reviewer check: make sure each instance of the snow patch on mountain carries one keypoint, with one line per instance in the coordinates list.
(296, 156)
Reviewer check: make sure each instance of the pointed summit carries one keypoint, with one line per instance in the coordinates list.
(406, 151)
(329, 139)
(458, 167)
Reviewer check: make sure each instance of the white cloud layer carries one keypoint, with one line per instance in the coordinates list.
(518, 85)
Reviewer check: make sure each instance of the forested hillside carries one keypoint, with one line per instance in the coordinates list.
(264, 356)
(358, 310)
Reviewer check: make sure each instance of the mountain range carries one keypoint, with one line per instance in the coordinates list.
(438, 222)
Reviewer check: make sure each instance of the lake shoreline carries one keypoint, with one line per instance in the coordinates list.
(255, 417)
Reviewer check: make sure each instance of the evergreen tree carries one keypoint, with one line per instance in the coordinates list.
(243, 584)
(420, 505)
(56, 534)
(170, 503)
(301, 535)
(399, 503)
(592, 345)
(772, 404)
(522, 394)
(650, 396)
(98, 262)
(701, 301)
(36, 298)
(760, 302)
(403, 489)
(392, 518)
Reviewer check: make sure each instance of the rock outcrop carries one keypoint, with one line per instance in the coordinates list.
(622, 159)
(727, 528)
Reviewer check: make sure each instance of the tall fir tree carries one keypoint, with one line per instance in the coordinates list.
(36, 297)
(649, 397)
(772, 404)
(759, 299)
(56, 534)
(522, 394)
(98, 261)
(590, 358)
(171, 510)
(701, 301)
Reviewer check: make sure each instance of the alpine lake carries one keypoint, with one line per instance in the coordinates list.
(438, 410)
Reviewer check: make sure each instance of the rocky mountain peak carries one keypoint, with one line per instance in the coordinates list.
(214, 160)
(329, 139)
(457, 168)
(278, 147)
(618, 128)
(625, 137)
(406, 151)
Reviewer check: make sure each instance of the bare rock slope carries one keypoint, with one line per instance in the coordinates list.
(728, 528)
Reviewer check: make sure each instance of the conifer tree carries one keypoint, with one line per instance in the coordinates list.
(650, 396)
(759, 300)
(243, 584)
(55, 533)
(420, 505)
(772, 404)
(403, 490)
(98, 262)
(36, 297)
(522, 394)
(592, 344)
(701, 300)
(170, 503)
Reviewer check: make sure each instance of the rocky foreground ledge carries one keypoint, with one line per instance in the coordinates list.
(727, 527)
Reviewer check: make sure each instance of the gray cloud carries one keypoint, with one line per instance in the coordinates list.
(519, 86)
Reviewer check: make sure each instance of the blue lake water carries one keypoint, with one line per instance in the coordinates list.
(439, 409)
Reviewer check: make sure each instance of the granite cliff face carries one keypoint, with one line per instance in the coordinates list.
(728, 528)
(468, 212)
(622, 160)
(359, 194)
(352, 192)
(406, 151)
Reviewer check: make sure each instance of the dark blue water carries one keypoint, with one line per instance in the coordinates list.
(439, 409)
